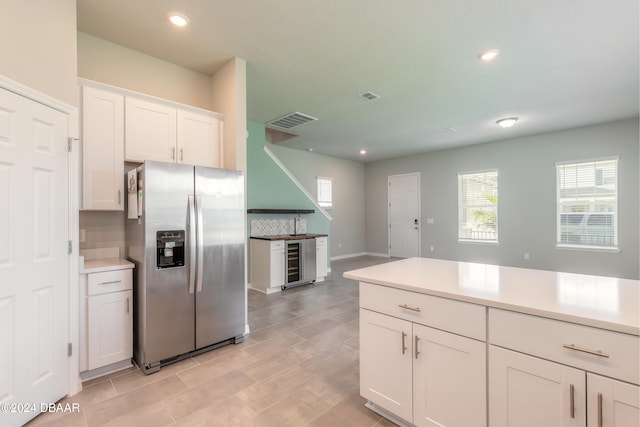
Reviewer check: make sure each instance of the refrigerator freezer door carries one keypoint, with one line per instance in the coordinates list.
(220, 304)
(169, 307)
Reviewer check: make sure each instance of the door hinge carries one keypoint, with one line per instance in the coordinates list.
(69, 349)
(69, 145)
(69, 246)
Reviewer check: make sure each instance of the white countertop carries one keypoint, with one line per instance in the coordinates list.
(602, 302)
(104, 264)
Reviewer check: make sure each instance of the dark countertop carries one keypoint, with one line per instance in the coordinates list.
(290, 237)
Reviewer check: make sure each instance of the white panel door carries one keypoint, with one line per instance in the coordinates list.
(612, 403)
(449, 379)
(386, 362)
(150, 131)
(404, 215)
(526, 391)
(199, 139)
(34, 282)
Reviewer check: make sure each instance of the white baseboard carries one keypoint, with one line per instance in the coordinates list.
(335, 258)
(377, 254)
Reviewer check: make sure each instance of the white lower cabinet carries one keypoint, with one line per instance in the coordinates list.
(560, 373)
(386, 362)
(110, 328)
(612, 403)
(529, 391)
(321, 258)
(422, 375)
(267, 265)
(107, 319)
(449, 379)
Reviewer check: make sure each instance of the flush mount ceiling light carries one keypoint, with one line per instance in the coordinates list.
(488, 55)
(178, 19)
(507, 122)
(363, 152)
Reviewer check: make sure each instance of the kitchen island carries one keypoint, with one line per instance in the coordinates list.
(453, 343)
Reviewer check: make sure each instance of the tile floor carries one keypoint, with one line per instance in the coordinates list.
(297, 367)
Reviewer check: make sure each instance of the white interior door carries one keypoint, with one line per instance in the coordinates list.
(404, 215)
(34, 276)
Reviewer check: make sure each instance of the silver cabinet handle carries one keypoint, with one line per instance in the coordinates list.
(128, 306)
(192, 244)
(200, 234)
(110, 283)
(585, 350)
(119, 197)
(416, 339)
(181, 154)
(173, 153)
(572, 395)
(599, 409)
(404, 346)
(409, 308)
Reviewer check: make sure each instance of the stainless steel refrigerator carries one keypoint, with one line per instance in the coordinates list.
(188, 247)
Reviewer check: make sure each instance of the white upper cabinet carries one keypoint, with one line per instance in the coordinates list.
(150, 131)
(102, 150)
(155, 131)
(121, 125)
(199, 139)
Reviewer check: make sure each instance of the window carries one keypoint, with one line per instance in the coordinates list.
(478, 206)
(324, 192)
(587, 204)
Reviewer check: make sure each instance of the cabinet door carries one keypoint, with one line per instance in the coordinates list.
(277, 266)
(528, 391)
(110, 326)
(199, 139)
(321, 257)
(612, 403)
(150, 131)
(386, 362)
(102, 150)
(449, 379)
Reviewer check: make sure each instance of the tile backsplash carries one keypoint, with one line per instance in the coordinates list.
(276, 227)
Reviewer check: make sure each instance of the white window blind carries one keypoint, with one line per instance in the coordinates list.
(325, 197)
(478, 206)
(587, 204)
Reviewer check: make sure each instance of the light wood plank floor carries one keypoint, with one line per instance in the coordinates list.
(297, 367)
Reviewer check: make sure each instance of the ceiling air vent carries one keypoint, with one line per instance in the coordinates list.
(291, 120)
(369, 96)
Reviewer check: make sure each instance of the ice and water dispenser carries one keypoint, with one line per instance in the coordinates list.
(170, 248)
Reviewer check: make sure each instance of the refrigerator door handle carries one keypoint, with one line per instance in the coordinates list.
(200, 233)
(192, 244)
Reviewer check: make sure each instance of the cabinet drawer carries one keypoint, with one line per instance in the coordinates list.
(321, 241)
(441, 313)
(277, 244)
(109, 281)
(568, 343)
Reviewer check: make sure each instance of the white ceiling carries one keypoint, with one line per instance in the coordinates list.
(562, 64)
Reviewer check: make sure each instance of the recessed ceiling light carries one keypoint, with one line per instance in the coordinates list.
(363, 152)
(507, 122)
(488, 55)
(178, 19)
(310, 149)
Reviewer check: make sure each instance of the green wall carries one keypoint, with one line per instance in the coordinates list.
(268, 187)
